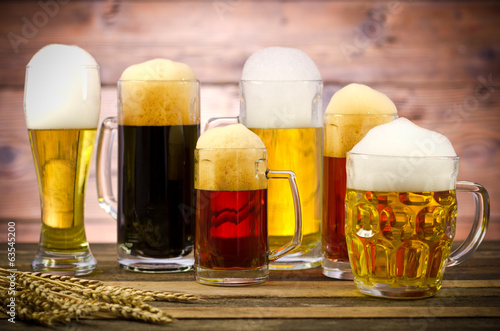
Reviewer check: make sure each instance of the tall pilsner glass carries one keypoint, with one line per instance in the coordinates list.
(62, 113)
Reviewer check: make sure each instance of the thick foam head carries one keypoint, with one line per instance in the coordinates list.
(159, 92)
(281, 88)
(230, 158)
(62, 89)
(403, 157)
(352, 112)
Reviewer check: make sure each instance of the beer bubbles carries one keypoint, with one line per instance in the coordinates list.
(409, 158)
(279, 84)
(233, 150)
(60, 91)
(159, 92)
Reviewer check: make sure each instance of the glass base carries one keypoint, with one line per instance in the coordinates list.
(336, 269)
(298, 261)
(60, 263)
(400, 292)
(155, 265)
(221, 277)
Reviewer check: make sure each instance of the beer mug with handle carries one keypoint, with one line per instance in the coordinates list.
(231, 242)
(401, 214)
(158, 126)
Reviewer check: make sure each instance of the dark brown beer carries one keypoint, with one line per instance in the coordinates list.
(157, 200)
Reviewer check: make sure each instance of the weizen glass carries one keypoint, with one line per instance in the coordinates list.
(62, 112)
(231, 245)
(157, 135)
(340, 133)
(399, 231)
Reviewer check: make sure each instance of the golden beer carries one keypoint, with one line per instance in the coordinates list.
(400, 238)
(297, 150)
(62, 162)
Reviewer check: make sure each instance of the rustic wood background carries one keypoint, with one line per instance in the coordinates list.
(439, 62)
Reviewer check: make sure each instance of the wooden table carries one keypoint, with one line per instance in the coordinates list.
(300, 300)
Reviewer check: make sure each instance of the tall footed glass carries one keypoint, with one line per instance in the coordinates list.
(62, 112)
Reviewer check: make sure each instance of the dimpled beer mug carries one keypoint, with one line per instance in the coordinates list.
(158, 126)
(401, 211)
(62, 103)
(231, 180)
(351, 113)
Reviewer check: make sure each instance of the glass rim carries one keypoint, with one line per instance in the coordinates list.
(159, 80)
(90, 66)
(281, 81)
(413, 157)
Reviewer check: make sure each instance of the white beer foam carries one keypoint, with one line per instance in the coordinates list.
(360, 107)
(403, 157)
(281, 88)
(59, 92)
(159, 92)
(227, 160)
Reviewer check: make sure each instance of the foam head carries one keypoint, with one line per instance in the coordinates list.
(403, 157)
(159, 92)
(352, 111)
(230, 158)
(62, 89)
(281, 88)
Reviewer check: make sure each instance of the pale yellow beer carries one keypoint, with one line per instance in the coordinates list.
(297, 150)
(62, 162)
(400, 238)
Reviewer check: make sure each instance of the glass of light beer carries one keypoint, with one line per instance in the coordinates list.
(341, 133)
(158, 126)
(231, 245)
(62, 103)
(401, 220)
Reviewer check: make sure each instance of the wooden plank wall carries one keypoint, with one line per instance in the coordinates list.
(439, 62)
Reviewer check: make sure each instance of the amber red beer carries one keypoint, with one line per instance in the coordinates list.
(231, 182)
(234, 233)
(341, 133)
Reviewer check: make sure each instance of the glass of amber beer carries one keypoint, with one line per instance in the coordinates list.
(401, 219)
(62, 103)
(341, 133)
(158, 126)
(231, 241)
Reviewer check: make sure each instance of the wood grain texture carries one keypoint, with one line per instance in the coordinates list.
(367, 41)
(301, 300)
(437, 60)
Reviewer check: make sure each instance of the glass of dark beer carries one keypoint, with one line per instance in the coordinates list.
(158, 125)
(231, 245)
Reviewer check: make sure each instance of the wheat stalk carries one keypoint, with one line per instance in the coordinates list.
(49, 299)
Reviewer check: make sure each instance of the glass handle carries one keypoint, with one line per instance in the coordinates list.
(297, 238)
(107, 200)
(478, 231)
(219, 121)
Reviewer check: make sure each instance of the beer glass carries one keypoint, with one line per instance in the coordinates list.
(400, 226)
(341, 133)
(62, 110)
(290, 126)
(155, 209)
(231, 242)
